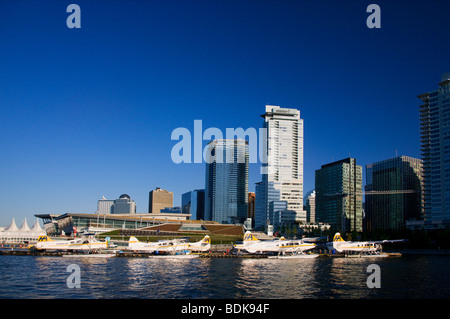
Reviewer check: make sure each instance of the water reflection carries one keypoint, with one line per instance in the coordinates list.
(224, 278)
(273, 278)
(164, 278)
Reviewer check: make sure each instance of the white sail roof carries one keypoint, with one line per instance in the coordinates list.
(12, 226)
(37, 228)
(12, 234)
(24, 227)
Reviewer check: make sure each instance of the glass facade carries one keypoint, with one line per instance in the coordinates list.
(435, 148)
(193, 203)
(390, 211)
(226, 185)
(339, 195)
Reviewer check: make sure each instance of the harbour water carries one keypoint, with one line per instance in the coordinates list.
(406, 277)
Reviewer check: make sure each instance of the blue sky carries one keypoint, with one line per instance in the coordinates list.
(89, 112)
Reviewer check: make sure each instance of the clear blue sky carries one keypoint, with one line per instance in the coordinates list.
(89, 112)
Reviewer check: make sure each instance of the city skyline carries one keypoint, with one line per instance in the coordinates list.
(89, 112)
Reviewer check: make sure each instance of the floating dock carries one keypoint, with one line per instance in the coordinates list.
(131, 254)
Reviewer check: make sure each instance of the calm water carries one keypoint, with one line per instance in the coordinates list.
(27, 277)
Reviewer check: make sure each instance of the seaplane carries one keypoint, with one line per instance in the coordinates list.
(87, 242)
(170, 246)
(281, 246)
(368, 247)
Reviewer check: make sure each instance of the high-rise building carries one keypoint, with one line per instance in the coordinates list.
(393, 193)
(251, 206)
(339, 195)
(159, 199)
(284, 168)
(193, 203)
(105, 206)
(226, 184)
(123, 205)
(310, 204)
(435, 147)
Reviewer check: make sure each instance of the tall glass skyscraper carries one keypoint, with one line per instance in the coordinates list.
(435, 147)
(226, 185)
(193, 203)
(282, 178)
(339, 195)
(388, 210)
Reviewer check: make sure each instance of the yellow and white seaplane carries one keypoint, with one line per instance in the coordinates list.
(281, 246)
(170, 246)
(361, 247)
(87, 242)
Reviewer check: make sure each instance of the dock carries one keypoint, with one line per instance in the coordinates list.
(211, 254)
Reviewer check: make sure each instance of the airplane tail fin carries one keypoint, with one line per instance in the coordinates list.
(133, 240)
(249, 237)
(44, 238)
(206, 240)
(338, 237)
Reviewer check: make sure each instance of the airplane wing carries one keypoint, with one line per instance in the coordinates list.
(314, 239)
(180, 240)
(388, 241)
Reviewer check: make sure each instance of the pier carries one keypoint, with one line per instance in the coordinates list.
(215, 252)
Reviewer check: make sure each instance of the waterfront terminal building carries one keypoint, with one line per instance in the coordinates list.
(23, 235)
(133, 224)
(66, 224)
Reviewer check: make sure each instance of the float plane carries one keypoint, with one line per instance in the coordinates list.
(253, 245)
(169, 246)
(87, 242)
(340, 245)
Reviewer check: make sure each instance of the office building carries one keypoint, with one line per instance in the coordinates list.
(193, 203)
(105, 206)
(435, 148)
(226, 184)
(339, 195)
(283, 170)
(159, 199)
(310, 205)
(251, 206)
(393, 193)
(123, 205)
(171, 210)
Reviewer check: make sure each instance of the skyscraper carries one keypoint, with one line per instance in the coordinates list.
(226, 184)
(435, 147)
(339, 195)
(123, 205)
(193, 203)
(105, 206)
(310, 204)
(251, 206)
(159, 199)
(282, 178)
(393, 205)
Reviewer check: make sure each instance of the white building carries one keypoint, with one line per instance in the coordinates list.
(283, 171)
(310, 203)
(14, 235)
(123, 205)
(105, 206)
